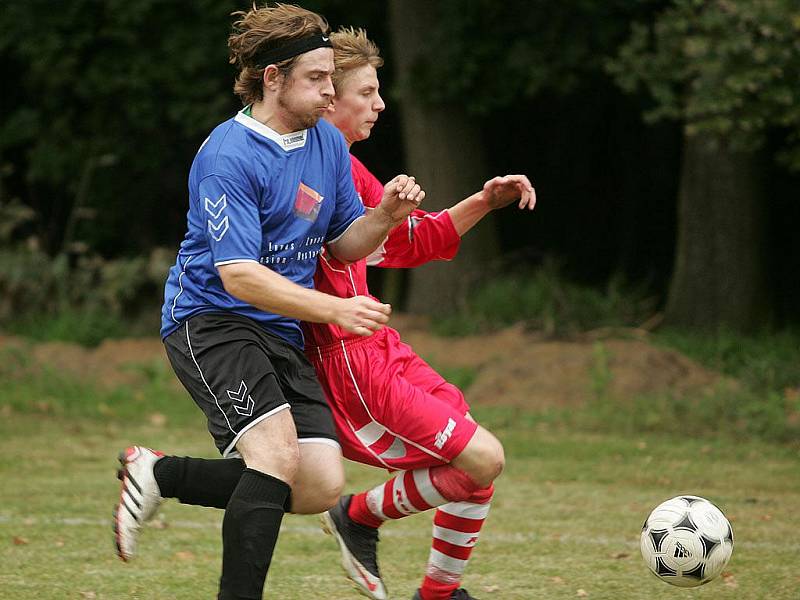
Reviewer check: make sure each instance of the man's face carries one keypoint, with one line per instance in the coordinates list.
(357, 104)
(308, 90)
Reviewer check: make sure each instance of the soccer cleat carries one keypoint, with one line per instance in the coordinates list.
(139, 497)
(459, 594)
(359, 546)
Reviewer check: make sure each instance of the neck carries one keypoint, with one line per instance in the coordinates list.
(270, 115)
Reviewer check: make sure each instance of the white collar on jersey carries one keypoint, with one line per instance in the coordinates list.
(287, 141)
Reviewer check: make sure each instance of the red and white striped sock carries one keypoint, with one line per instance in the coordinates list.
(456, 527)
(411, 492)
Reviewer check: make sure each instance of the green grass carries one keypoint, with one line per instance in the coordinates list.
(87, 327)
(545, 300)
(762, 361)
(28, 388)
(566, 516)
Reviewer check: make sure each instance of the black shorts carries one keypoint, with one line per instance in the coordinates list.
(239, 374)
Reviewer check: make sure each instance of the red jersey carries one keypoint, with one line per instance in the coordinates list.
(424, 236)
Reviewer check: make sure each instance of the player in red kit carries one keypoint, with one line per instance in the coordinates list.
(391, 409)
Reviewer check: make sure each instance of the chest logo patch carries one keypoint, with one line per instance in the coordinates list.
(307, 203)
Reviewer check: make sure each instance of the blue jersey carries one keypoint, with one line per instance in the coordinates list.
(259, 196)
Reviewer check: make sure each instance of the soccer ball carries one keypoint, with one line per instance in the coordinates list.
(686, 541)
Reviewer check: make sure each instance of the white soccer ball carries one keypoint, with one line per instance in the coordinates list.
(686, 541)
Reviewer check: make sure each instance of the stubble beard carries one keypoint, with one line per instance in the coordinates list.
(296, 120)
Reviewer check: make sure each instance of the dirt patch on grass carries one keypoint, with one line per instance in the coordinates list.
(111, 364)
(512, 366)
(521, 368)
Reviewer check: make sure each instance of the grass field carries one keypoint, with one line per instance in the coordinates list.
(564, 523)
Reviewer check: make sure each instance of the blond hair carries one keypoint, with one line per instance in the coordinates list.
(352, 49)
(262, 28)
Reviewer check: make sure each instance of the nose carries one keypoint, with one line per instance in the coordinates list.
(328, 89)
(379, 104)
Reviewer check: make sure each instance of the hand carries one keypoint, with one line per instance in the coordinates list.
(502, 191)
(362, 315)
(400, 197)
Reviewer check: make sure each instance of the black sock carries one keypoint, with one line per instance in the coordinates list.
(201, 481)
(198, 481)
(249, 533)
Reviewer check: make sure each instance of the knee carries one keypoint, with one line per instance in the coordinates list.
(484, 460)
(322, 495)
(498, 461)
(281, 459)
(270, 446)
(329, 494)
(491, 463)
(320, 482)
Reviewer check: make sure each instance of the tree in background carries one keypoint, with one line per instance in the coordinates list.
(443, 151)
(459, 64)
(729, 70)
(103, 103)
(106, 101)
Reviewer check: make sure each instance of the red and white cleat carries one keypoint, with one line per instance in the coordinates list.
(139, 497)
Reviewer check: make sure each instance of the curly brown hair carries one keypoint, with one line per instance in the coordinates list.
(352, 49)
(261, 28)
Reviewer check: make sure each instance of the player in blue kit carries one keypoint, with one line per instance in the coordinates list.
(266, 190)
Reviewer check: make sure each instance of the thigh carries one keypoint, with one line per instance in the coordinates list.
(310, 410)
(422, 376)
(386, 420)
(228, 373)
(432, 430)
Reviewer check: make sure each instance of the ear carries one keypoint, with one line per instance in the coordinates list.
(271, 79)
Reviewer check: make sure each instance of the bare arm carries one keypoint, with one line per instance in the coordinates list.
(496, 193)
(401, 196)
(265, 289)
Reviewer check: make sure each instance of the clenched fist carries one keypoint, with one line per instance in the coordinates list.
(362, 315)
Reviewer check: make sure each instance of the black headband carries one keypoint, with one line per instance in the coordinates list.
(270, 56)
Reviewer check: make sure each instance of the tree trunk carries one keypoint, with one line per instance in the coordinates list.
(444, 152)
(719, 274)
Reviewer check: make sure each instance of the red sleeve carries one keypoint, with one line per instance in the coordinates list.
(367, 185)
(423, 236)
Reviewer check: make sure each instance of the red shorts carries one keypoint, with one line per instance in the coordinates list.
(391, 409)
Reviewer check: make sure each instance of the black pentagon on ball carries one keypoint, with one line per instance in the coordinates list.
(662, 569)
(689, 500)
(686, 523)
(729, 535)
(657, 536)
(708, 545)
(696, 573)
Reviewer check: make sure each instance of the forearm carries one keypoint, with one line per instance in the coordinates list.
(466, 214)
(265, 289)
(363, 236)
